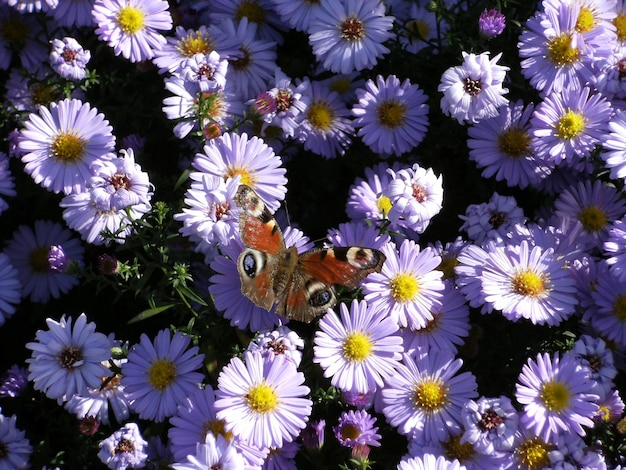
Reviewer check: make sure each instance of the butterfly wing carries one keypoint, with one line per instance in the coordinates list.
(311, 290)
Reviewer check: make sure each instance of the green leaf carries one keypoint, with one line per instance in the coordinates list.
(150, 313)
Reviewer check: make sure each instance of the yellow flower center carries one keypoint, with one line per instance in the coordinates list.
(384, 204)
(619, 308)
(161, 374)
(430, 396)
(320, 115)
(38, 259)
(357, 347)
(42, 94)
(15, 32)
(570, 125)
(528, 284)
(454, 449)
(246, 177)
(217, 427)
(620, 25)
(561, 52)
(68, 148)
(350, 431)
(555, 396)
(404, 287)
(533, 454)
(262, 399)
(417, 29)
(130, 19)
(592, 218)
(251, 10)
(514, 142)
(447, 265)
(585, 21)
(341, 85)
(195, 43)
(391, 113)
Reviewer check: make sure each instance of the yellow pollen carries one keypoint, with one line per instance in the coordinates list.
(38, 259)
(533, 454)
(195, 43)
(430, 396)
(561, 52)
(514, 142)
(528, 284)
(262, 399)
(217, 427)
(620, 25)
(384, 204)
(570, 125)
(447, 265)
(357, 347)
(619, 308)
(68, 148)
(320, 115)
(585, 21)
(592, 218)
(246, 176)
(555, 396)
(454, 449)
(251, 10)
(161, 374)
(404, 287)
(391, 113)
(417, 29)
(130, 19)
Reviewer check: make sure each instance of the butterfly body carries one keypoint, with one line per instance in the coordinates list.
(299, 286)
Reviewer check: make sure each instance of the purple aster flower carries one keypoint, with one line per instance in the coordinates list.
(493, 220)
(14, 382)
(349, 35)
(71, 13)
(416, 196)
(62, 141)
(409, 287)
(28, 251)
(98, 402)
(429, 462)
(297, 14)
(489, 424)
(368, 200)
(357, 428)
(614, 142)
(208, 71)
(568, 125)
(529, 449)
(556, 395)
(501, 146)
(24, 36)
(491, 23)
(252, 67)
(392, 118)
(17, 448)
(606, 312)
(214, 452)
(160, 373)
(66, 358)
(210, 217)
(359, 350)
(425, 397)
(357, 234)
(117, 193)
(611, 408)
(248, 157)
(313, 434)
(125, 448)
(595, 205)
(7, 182)
(30, 6)
(450, 324)
(421, 26)
(614, 248)
(594, 355)
(131, 27)
(262, 401)
(573, 452)
(326, 128)
(280, 342)
(68, 58)
(10, 288)
(283, 458)
(473, 91)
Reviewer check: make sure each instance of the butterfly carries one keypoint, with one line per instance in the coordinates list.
(300, 286)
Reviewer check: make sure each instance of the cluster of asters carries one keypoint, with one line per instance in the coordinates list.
(392, 355)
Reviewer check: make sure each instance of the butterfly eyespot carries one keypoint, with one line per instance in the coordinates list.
(252, 262)
(320, 298)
